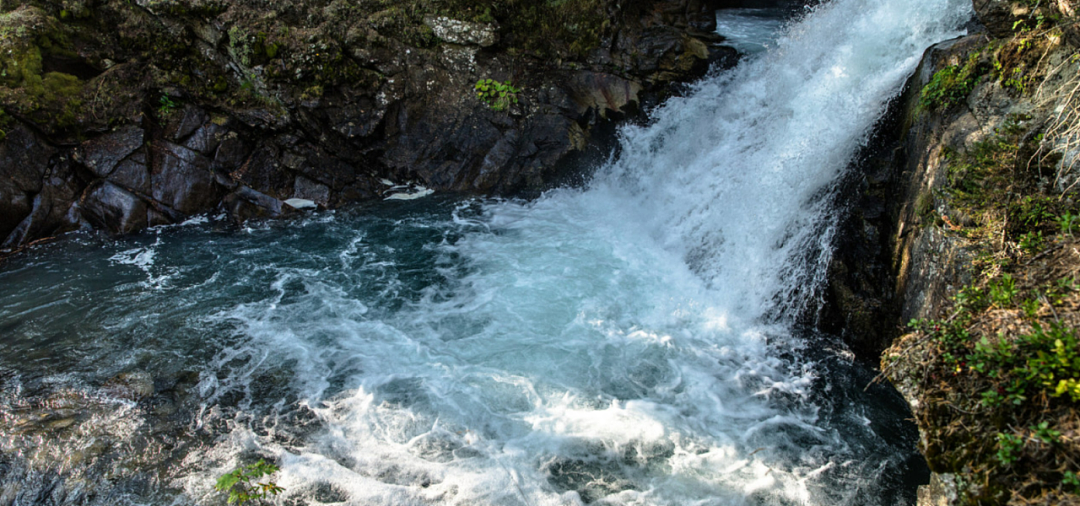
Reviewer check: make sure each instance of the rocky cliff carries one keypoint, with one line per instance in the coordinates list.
(964, 223)
(121, 115)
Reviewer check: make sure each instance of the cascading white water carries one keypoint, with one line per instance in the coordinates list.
(622, 344)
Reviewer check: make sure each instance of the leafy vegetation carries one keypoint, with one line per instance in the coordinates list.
(999, 381)
(238, 483)
(951, 85)
(166, 105)
(497, 95)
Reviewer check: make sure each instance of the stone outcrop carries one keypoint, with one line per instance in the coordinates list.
(121, 115)
(938, 206)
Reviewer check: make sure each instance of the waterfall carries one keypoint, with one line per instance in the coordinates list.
(627, 343)
(738, 176)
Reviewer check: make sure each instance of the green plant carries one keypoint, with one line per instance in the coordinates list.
(1069, 222)
(1045, 434)
(1009, 447)
(497, 95)
(1031, 242)
(167, 105)
(238, 483)
(1003, 290)
(1071, 481)
(951, 85)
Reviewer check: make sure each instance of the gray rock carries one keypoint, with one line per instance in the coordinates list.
(110, 207)
(304, 188)
(24, 160)
(132, 173)
(462, 32)
(101, 155)
(184, 122)
(181, 179)
(302, 204)
(996, 15)
(271, 205)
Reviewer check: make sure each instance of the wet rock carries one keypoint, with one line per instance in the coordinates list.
(230, 153)
(133, 385)
(322, 122)
(270, 205)
(261, 171)
(241, 209)
(305, 188)
(206, 139)
(184, 122)
(24, 160)
(101, 155)
(14, 208)
(462, 32)
(181, 179)
(132, 173)
(46, 216)
(603, 92)
(110, 207)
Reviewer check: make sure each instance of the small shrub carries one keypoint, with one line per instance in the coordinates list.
(1031, 242)
(167, 105)
(1068, 222)
(1003, 291)
(1045, 434)
(1009, 447)
(238, 483)
(951, 85)
(496, 95)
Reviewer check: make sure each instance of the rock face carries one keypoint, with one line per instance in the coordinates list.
(122, 115)
(895, 261)
(918, 230)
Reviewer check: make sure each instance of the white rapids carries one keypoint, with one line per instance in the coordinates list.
(620, 344)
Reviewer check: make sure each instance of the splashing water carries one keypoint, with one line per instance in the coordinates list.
(628, 344)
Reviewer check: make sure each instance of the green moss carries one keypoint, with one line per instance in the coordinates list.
(951, 85)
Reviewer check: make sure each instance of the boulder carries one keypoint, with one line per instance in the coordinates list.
(304, 188)
(24, 161)
(181, 179)
(101, 155)
(110, 207)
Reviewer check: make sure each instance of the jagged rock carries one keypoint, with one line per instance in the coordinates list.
(261, 171)
(24, 159)
(603, 92)
(462, 32)
(206, 139)
(185, 121)
(110, 207)
(271, 205)
(381, 95)
(181, 178)
(245, 204)
(132, 173)
(305, 188)
(998, 15)
(49, 207)
(132, 385)
(101, 155)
